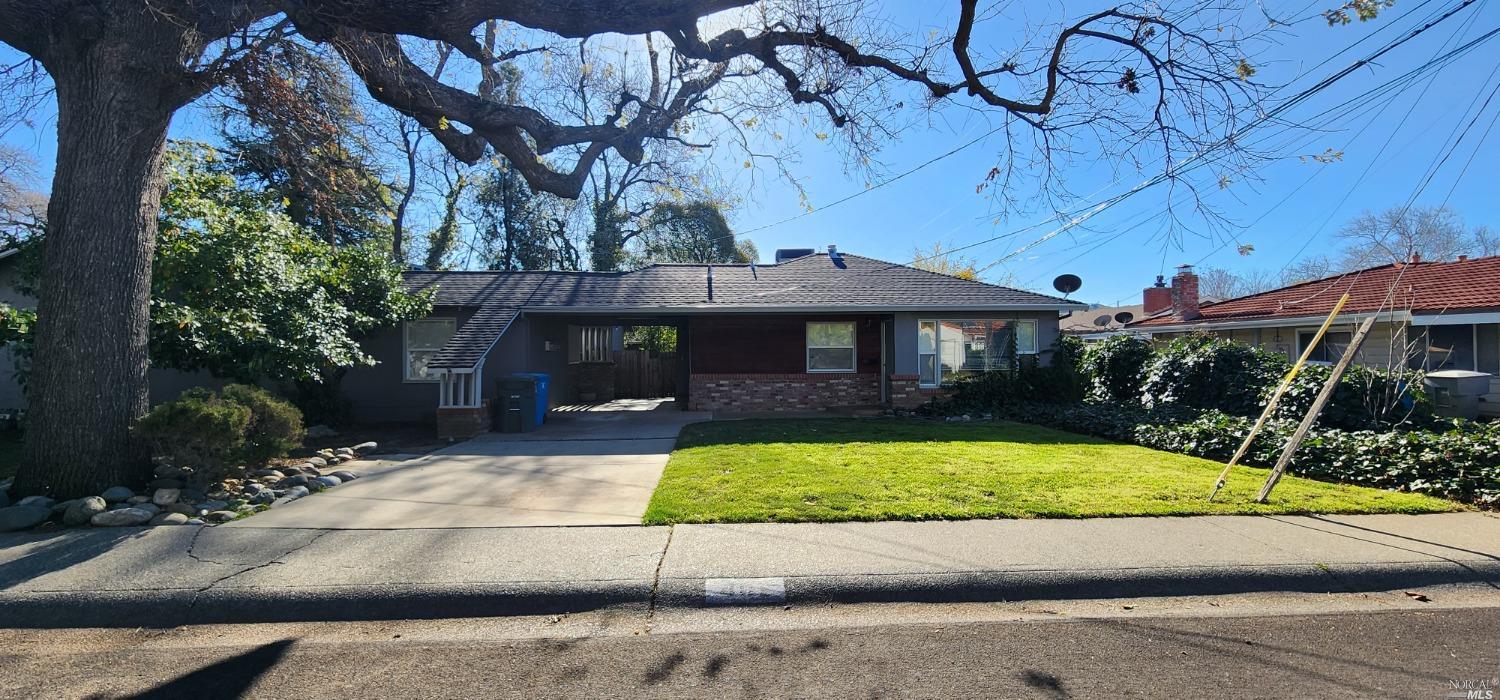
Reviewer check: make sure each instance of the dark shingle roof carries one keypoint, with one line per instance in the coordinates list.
(811, 282)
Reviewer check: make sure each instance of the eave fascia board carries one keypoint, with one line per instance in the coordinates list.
(1389, 316)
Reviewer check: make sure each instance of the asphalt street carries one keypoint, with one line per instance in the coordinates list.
(1396, 648)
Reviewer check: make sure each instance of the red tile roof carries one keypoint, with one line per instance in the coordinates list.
(1427, 287)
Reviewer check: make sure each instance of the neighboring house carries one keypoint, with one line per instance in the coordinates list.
(1431, 315)
(812, 332)
(1100, 322)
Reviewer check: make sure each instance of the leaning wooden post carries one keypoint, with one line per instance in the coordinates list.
(1286, 383)
(1317, 408)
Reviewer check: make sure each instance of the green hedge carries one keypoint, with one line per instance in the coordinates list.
(1461, 462)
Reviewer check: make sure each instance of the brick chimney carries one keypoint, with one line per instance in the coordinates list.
(1185, 293)
(1156, 298)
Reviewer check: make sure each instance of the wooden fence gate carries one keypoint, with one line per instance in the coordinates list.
(641, 374)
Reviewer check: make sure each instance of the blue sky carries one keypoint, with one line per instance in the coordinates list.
(1291, 204)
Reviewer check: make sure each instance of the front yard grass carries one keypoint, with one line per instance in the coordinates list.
(836, 469)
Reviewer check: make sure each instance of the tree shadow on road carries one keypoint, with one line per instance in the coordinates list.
(229, 678)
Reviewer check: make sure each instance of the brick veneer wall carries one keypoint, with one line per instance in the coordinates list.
(457, 422)
(907, 392)
(781, 392)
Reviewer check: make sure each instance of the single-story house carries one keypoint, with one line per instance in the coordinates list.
(813, 331)
(1431, 315)
(1100, 322)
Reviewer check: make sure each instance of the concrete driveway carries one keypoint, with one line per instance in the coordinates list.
(586, 466)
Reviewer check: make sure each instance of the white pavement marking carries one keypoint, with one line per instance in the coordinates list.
(744, 591)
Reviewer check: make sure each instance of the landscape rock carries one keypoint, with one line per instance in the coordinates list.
(344, 475)
(364, 447)
(137, 500)
(212, 505)
(38, 501)
(116, 494)
(263, 498)
(62, 506)
(182, 508)
(328, 481)
(321, 431)
(292, 494)
(158, 484)
(262, 473)
(317, 461)
(149, 508)
(170, 519)
(83, 510)
(166, 496)
(121, 518)
(191, 495)
(344, 451)
(221, 516)
(298, 480)
(195, 521)
(14, 518)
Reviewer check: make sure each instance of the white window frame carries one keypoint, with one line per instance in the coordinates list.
(853, 346)
(406, 348)
(937, 343)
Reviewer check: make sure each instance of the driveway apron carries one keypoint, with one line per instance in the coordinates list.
(583, 467)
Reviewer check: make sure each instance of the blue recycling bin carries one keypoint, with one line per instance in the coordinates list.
(541, 394)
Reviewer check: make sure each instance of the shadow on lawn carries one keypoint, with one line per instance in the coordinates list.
(838, 430)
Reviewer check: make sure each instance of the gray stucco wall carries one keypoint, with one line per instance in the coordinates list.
(906, 332)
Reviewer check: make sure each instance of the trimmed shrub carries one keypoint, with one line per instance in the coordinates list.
(217, 434)
(1199, 371)
(198, 430)
(275, 425)
(1031, 382)
(1114, 368)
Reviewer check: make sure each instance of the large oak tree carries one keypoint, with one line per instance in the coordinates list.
(1138, 82)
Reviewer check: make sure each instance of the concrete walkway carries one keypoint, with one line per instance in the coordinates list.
(586, 466)
(180, 575)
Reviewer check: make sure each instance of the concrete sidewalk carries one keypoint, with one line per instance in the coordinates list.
(171, 576)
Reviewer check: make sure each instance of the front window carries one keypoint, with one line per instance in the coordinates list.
(423, 339)
(830, 347)
(946, 348)
(1329, 349)
(594, 342)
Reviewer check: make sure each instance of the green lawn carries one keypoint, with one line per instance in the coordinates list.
(891, 469)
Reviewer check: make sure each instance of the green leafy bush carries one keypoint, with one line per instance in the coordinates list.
(1199, 371)
(1459, 460)
(1115, 367)
(1031, 382)
(217, 434)
(275, 425)
(1365, 399)
(198, 430)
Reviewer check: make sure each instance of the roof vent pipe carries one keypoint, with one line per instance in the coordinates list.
(833, 252)
(710, 283)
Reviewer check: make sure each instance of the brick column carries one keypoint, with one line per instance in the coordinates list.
(463, 422)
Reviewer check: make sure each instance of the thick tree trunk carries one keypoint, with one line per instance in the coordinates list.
(88, 380)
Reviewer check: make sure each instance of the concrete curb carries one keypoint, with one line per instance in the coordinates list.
(173, 607)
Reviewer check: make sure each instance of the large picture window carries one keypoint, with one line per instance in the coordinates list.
(423, 339)
(830, 347)
(946, 348)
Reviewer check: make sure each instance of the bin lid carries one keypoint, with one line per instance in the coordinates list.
(1456, 374)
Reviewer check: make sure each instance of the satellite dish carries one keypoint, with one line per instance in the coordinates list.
(1124, 317)
(1102, 320)
(1067, 284)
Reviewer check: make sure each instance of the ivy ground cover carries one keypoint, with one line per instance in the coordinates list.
(842, 469)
